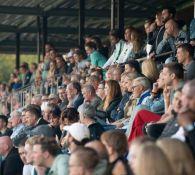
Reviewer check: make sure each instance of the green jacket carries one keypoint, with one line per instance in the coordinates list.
(97, 59)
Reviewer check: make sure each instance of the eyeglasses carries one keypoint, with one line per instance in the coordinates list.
(133, 87)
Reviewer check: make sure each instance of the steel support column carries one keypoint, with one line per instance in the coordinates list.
(120, 15)
(81, 19)
(113, 13)
(17, 50)
(194, 8)
(44, 33)
(38, 37)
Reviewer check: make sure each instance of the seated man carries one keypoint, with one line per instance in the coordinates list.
(74, 96)
(172, 38)
(11, 164)
(46, 154)
(87, 117)
(185, 57)
(90, 96)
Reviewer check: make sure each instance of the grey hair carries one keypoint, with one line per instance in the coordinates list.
(16, 113)
(90, 88)
(144, 82)
(87, 110)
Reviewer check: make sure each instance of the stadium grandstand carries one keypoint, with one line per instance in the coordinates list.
(111, 92)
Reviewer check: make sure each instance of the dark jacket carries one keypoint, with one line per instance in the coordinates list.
(7, 132)
(106, 114)
(12, 164)
(42, 122)
(190, 140)
(26, 78)
(118, 112)
(78, 101)
(95, 131)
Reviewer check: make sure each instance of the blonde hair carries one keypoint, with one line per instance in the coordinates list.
(51, 72)
(136, 41)
(114, 92)
(150, 70)
(152, 161)
(179, 155)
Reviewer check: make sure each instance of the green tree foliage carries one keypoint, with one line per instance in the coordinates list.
(7, 64)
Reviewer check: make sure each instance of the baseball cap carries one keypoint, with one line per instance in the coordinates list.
(78, 131)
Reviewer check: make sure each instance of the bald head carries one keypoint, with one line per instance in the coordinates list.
(170, 27)
(5, 145)
(99, 148)
(188, 97)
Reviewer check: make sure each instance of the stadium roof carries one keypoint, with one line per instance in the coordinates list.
(21, 19)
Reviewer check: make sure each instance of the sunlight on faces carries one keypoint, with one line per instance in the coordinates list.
(28, 154)
(39, 156)
(188, 98)
(177, 101)
(167, 76)
(137, 89)
(181, 55)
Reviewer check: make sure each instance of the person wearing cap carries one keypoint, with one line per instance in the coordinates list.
(77, 135)
(16, 122)
(87, 117)
(25, 73)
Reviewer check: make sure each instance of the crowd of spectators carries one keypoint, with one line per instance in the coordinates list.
(100, 110)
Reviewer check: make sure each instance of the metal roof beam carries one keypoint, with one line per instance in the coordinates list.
(53, 30)
(21, 10)
(67, 12)
(96, 13)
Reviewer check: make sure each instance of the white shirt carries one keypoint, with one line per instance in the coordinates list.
(116, 53)
(126, 52)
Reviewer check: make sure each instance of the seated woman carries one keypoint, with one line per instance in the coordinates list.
(126, 85)
(156, 124)
(116, 144)
(150, 70)
(113, 98)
